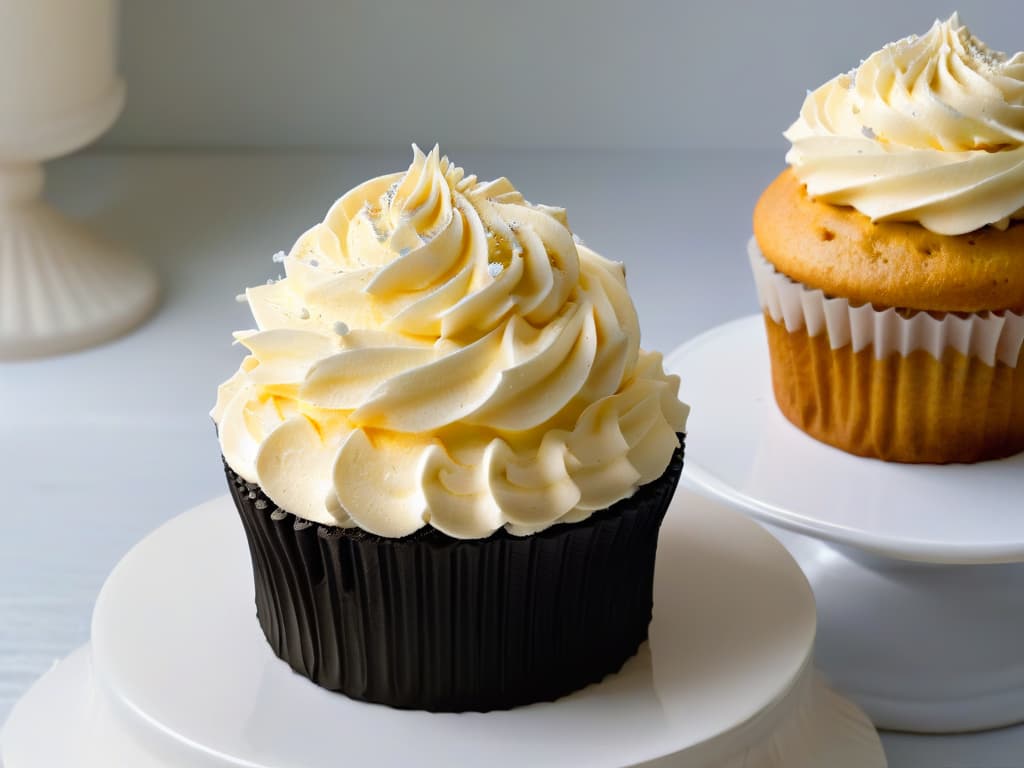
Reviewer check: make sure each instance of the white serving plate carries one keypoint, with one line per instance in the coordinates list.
(178, 673)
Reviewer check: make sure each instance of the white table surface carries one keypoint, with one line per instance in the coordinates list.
(99, 447)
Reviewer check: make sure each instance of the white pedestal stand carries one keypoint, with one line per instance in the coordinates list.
(61, 288)
(177, 673)
(916, 569)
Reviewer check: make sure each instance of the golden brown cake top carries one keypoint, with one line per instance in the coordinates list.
(842, 252)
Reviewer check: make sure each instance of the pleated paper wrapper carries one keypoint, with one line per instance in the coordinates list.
(893, 384)
(442, 624)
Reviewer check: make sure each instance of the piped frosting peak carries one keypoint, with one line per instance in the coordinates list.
(928, 129)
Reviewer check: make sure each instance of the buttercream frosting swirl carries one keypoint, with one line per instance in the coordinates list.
(928, 129)
(443, 352)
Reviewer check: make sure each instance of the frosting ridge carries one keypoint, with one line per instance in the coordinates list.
(928, 129)
(443, 352)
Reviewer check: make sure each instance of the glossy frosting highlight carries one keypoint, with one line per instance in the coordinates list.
(929, 129)
(443, 352)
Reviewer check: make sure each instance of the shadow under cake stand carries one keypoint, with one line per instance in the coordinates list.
(177, 673)
(917, 569)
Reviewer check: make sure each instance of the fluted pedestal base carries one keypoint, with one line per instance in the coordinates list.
(61, 287)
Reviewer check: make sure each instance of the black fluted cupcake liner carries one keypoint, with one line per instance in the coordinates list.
(448, 625)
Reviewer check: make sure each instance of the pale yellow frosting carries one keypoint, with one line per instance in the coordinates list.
(443, 352)
(928, 129)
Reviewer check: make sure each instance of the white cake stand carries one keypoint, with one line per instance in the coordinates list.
(177, 673)
(916, 569)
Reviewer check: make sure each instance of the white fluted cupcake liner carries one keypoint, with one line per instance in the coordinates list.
(988, 336)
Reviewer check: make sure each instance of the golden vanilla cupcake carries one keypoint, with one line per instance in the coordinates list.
(889, 256)
(448, 451)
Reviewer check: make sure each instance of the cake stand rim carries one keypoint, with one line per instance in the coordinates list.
(699, 476)
(52, 698)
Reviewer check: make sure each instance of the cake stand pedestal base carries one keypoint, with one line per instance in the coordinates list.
(922, 647)
(61, 287)
(177, 673)
(918, 570)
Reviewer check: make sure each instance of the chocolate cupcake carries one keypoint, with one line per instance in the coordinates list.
(449, 454)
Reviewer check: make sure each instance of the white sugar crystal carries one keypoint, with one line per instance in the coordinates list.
(279, 257)
(341, 328)
(304, 313)
(494, 269)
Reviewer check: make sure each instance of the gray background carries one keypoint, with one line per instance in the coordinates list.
(534, 72)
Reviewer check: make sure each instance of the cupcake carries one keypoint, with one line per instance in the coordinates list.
(889, 256)
(450, 456)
